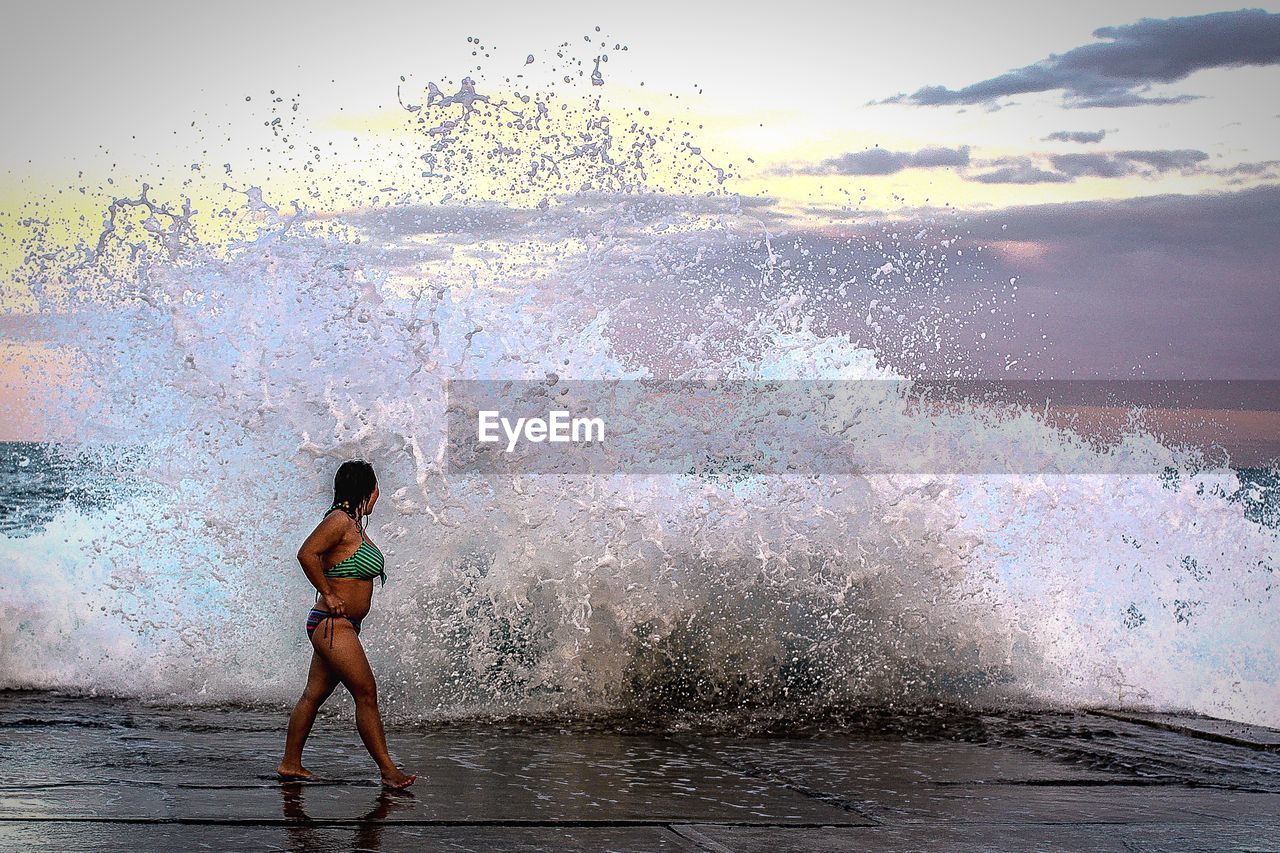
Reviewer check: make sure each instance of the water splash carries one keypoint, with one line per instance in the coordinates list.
(241, 354)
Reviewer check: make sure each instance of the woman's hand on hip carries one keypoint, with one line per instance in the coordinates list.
(334, 604)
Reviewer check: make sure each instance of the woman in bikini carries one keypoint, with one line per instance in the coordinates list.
(341, 562)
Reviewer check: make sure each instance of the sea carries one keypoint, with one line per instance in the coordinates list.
(218, 344)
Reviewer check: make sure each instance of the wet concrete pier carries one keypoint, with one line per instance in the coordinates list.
(100, 774)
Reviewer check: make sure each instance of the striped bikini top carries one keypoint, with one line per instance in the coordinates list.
(366, 563)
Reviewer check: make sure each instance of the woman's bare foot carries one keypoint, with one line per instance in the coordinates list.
(397, 780)
(296, 773)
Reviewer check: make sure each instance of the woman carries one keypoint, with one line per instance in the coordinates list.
(341, 562)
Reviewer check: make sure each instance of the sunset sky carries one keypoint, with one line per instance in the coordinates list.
(1122, 159)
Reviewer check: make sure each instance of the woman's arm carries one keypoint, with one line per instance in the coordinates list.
(323, 539)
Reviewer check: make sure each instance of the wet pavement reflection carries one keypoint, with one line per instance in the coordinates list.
(101, 774)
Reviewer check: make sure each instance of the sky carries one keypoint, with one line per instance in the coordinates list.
(1120, 159)
(790, 89)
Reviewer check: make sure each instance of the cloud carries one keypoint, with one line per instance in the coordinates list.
(881, 161)
(1025, 169)
(1076, 136)
(905, 294)
(572, 215)
(1176, 284)
(1100, 164)
(1163, 286)
(485, 221)
(1245, 173)
(1033, 168)
(1231, 221)
(1119, 164)
(1264, 167)
(1170, 285)
(1019, 170)
(1121, 69)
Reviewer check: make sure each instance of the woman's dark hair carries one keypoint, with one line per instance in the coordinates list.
(353, 483)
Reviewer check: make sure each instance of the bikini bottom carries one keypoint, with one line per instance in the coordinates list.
(316, 616)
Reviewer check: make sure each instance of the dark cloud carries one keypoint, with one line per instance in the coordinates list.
(1230, 221)
(1164, 286)
(571, 215)
(1119, 164)
(1019, 170)
(1177, 285)
(1099, 164)
(1091, 166)
(904, 293)
(927, 158)
(410, 220)
(1025, 169)
(1076, 136)
(881, 161)
(1158, 287)
(1242, 170)
(1247, 173)
(1121, 69)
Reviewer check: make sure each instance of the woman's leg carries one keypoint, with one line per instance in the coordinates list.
(343, 653)
(320, 683)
